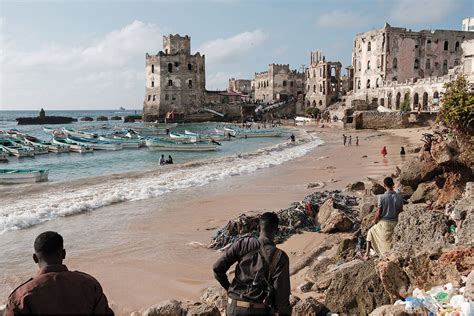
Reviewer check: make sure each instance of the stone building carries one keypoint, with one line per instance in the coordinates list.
(468, 24)
(391, 64)
(175, 79)
(323, 81)
(243, 86)
(279, 83)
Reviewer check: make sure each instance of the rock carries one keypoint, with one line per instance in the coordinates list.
(202, 309)
(87, 119)
(319, 274)
(315, 185)
(461, 257)
(116, 118)
(215, 296)
(453, 182)
(308, 306)
(406, 192)
(102, 118)
(421, 229)
(305, 287)
(294, 300)
(356, 186)
(371, 185)
(465, 232)
(366, 213)
(419, 169)
(426, 191)
(171, 307)
(346, 249)
(441, 152)
(469, 292)
(396, 310)
(394, 279)
(332, 219)
(356, 289)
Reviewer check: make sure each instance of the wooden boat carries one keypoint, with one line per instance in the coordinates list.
(16, 176)
(72, 146)
(182, 137)
(206, 137)
(96, 143)
(15, 149)
(80, 134)
(37, 149)
(256, 134)
(3, 155)
(167, 145)
(54, 148)
(125, 142)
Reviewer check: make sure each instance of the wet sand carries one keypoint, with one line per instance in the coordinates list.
(155, 249)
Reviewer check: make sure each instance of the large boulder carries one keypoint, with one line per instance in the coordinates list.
(356, 289)
(469, 292)
(308, 306)
(215, 296)
(426, 191)
(394, 279)
(406, 192)
(453, 182)
(367, 208)
(332, 219)
(419, 169)
(465, 233)
(202, 309)
(441, 152)
(373, 186)
(168, 308)
(421, 229)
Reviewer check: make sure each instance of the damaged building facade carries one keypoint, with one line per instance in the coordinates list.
(279, 83)
(242, 86)
(323, 81)
(392, 64)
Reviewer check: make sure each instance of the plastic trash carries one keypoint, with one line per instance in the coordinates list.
(429, 303)
(467, 309)
(452, 229)
(457, 301)
(442, 296)
(412, 303)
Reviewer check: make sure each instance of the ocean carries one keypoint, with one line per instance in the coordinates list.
(140, 175)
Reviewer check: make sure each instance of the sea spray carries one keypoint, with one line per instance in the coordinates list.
(38, 208)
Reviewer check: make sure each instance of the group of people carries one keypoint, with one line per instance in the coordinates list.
(347, 140)
(384, 151)
(164, 161)
(261, 284)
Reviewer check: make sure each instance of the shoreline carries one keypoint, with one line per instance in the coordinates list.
(159, 250)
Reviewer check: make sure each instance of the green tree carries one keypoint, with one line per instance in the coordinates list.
(405, 106)
(314, 111)
(457, 106)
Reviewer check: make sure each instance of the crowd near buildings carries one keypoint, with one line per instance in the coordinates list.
(389, 65)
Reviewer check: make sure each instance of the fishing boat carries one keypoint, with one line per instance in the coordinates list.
(182, 137)
(148, 131)
(15, 149)
(168, 145)
(161, 125)
(37, 149)
(3, 155)
(96, 143)
(52, 147)
(206, 137)
(125, 142)
(16, 176)
(73, 147)
(258, 133)
(226, 132)
(79, 134)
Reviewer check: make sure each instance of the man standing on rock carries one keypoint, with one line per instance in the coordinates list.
(261, 285)
(389, 205)
(55, 289)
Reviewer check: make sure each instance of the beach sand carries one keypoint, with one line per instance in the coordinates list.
(158, 251)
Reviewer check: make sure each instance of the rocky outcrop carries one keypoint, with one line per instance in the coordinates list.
(215, 296)
(202, 309)
(356, 289)
(308, 306)
(426, 191)
(171, 308)
(332, 219)
(396, 310)
(419, 169)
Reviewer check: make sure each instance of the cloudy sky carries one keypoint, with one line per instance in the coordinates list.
(90, 54)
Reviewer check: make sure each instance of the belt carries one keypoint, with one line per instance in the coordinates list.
(246, 304)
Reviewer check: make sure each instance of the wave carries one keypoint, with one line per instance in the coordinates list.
(45, 206)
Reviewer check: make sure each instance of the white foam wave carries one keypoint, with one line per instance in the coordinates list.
(39, 208)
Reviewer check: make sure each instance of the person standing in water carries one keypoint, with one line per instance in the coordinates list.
(357, 140)
(344, 139)
(402, 151)
(162, 160)
(384, 151)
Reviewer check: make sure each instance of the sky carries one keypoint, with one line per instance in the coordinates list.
(68, 55)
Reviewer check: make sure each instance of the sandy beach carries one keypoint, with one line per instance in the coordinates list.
(155, 249)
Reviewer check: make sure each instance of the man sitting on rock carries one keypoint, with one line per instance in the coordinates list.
(389, 205)
(55, 289)
(261, 285)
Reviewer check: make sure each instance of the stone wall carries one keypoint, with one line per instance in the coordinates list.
(380, 120)
(278, 83)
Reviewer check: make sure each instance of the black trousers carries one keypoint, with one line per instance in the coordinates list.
(232, 310)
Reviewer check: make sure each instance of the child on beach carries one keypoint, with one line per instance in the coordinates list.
(344, 137)
(384, 151)
(350, 141)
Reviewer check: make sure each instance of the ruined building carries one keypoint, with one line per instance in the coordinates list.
(323, 81)
(243, 86)
(175, 79)
(279, 83)
(392, 64)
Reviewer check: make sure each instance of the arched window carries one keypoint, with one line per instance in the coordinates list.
(190, 67)
(389, 100)
(446, 45)
(368, 83)
(397, 101)
(377, 83)
(314, 103)
(190, 83)
(435, 95)
(456, 46)
(428, 44)
(152, 84)
(368, 65)
(369, 46)
(314, 88)
(320, 88)
(428, 64)
(395, 63)
(170, 83)
(360, 66)
(445, 67)
(284, 83)
(415, 101)
(170, 67)
(416, 65)
(152, 69)
(425, 101)
(291, 83)
(320, 102)
(358, 84)
(267, 83)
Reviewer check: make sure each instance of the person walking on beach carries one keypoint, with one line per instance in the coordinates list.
(389, 205)
(55, 289)
(402, 151)
(350, 141)
(261, 285)
(384, 151)
(344, 139)
(357, 140)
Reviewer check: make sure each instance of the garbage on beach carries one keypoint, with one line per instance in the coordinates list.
(439, 300)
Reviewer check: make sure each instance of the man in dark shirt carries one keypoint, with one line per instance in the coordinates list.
(55, 289)
(258, 262)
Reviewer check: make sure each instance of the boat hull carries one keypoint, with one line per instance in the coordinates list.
(18, 176)
(164, 146)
